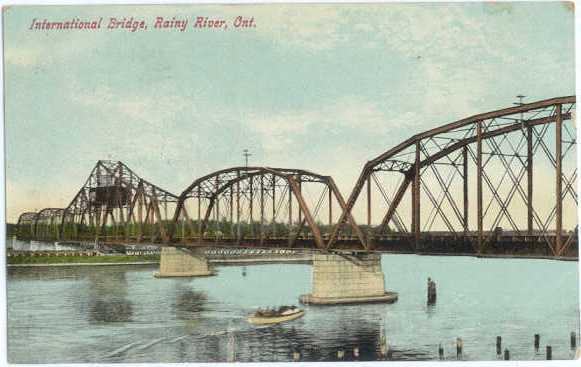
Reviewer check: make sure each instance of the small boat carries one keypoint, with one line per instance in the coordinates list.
(271, 316)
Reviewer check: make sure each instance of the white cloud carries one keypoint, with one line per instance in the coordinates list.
(281, 131)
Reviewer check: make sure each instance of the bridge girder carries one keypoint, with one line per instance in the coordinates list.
(245, 189)
(514, 136)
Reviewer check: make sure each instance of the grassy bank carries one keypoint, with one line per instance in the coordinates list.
(79, 259)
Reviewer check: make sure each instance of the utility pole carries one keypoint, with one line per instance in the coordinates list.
(520, 103)
(246, 154)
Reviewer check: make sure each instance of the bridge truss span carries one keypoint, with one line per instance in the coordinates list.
(506, 173)
(259, 205)
(501, 182)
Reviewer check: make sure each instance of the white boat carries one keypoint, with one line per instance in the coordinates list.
(283, 314)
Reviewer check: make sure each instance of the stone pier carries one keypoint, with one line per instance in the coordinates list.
(181, 262)
(347, 278)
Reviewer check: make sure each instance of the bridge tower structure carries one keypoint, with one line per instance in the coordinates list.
(116, 205)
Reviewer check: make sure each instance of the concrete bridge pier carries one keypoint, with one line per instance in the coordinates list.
(347, 278)
(181, 262)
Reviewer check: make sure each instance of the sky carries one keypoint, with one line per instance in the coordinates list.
(319, 87)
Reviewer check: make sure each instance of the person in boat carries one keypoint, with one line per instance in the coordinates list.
(273, 312)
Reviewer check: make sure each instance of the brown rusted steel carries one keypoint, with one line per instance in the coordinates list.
(369, 201)
(25, 225)
(300, 187)
(294, 185)
(106, 204)
(558, 180)
(416, 195)
(369, 166)
(350, 219)
(46, 224)
(290, 210)
(273, 206)
(487, 135)
(330, 208)
(238, 229)
(200, 230)
(251, 205)
(232, 213)
(261, 209)
(530, 180)
(256, 180)
(491, 125)
(465, 198)
(394, 204)
(479, 214)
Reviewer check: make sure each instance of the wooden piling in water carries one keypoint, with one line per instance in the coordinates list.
(459, 345)
(431, 292)
(440, 351)
(573, 340)
(506, 355)
(498, 345)
(549, 353)
(537, 342)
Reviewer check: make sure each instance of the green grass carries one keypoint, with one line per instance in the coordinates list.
(79, 259)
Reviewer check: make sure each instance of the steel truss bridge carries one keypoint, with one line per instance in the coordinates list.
(501, 182)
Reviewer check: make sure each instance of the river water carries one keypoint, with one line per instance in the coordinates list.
(124, 314)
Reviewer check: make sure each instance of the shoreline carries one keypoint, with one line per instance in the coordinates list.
(223, 262)
(44, 265)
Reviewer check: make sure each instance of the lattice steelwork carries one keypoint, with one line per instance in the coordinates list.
(116, 204)
(498, 182)
(258, 206)
(47, 224)
(25, 225)
(510, 172)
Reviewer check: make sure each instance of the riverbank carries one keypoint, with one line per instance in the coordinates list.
(67, 260)
(24, 260)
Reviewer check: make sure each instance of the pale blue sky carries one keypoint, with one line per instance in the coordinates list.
(324, 88)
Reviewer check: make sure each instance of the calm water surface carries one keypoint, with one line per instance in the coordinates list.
(123, 314)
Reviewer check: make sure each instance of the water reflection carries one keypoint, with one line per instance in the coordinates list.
(45, 274)
(189, 304)
(107, 296)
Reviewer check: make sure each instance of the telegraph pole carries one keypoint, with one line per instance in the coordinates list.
(520, 103)
(246, 154)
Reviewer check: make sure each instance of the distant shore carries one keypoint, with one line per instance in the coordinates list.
(63, 260)
(60, 260)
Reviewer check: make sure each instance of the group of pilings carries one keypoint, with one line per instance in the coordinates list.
(385, 352)
(536, 345)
